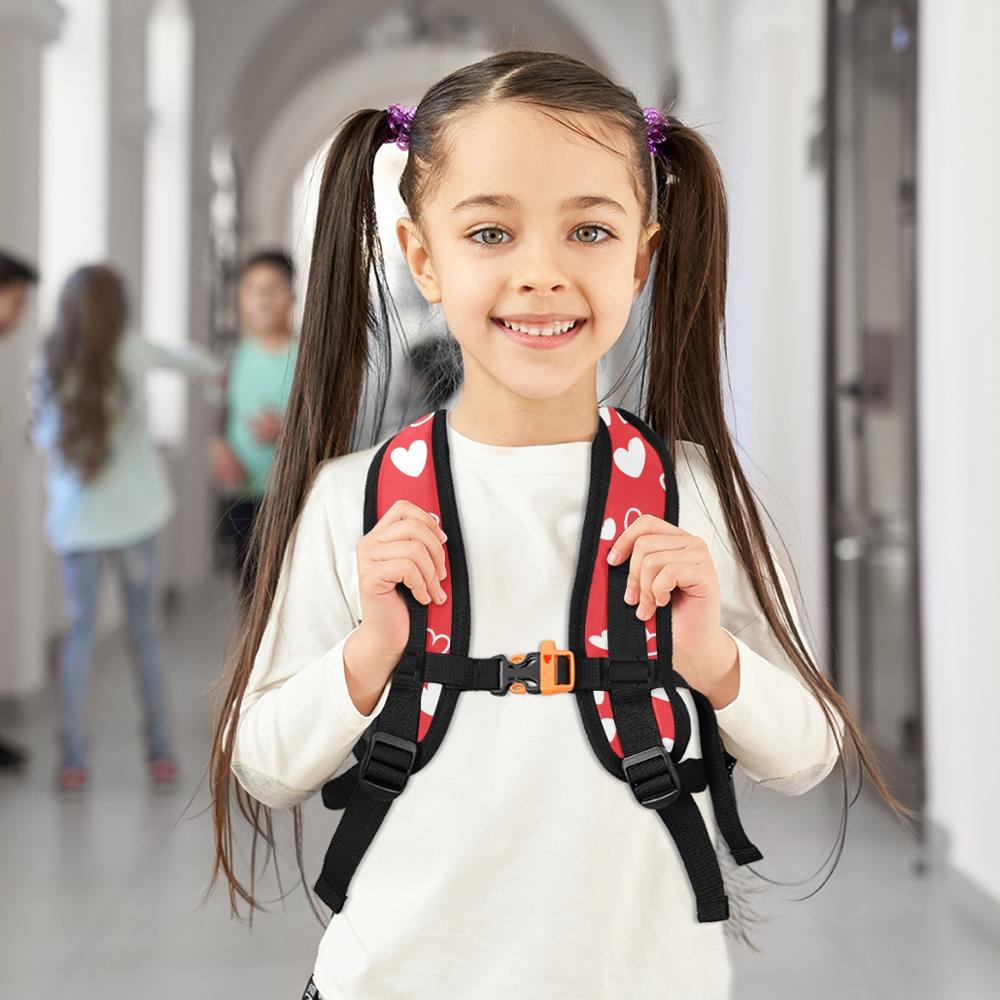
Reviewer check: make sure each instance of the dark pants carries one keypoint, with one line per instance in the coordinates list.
(241, 516)
(311, 993)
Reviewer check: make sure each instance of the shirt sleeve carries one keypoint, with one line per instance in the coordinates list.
(297, 722)
(775, 727)
(189, 359)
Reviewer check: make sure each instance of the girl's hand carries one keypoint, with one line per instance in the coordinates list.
(405, 546)
(667, 563)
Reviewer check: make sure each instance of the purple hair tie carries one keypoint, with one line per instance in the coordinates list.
(400, 116)
(656, 128)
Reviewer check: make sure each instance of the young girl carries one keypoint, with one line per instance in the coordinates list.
(108, 494)
(513, 865)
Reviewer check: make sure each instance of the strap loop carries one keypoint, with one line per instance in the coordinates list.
(629, 673)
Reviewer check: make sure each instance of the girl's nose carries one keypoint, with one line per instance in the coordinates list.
(539, 271)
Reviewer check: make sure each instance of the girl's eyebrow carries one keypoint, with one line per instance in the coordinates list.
(509, 202)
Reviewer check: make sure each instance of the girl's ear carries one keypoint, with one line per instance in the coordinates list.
(418, 257)
(648, 242)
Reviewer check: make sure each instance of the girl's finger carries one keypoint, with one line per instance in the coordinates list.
(403, 509)
(645, 525)
(649, 547)
(660, 574)
(406, 572)
(417, 553)
(660, 588)
(420, 531)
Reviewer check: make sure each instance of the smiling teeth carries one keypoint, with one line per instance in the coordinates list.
(540, 331)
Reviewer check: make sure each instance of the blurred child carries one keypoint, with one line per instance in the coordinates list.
(108, 494)
(258, 384)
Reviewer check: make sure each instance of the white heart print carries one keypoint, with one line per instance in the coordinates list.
(605, 415)
(435, 636)
(410, 461)
(633, 459)
(608, 529)
(600, 641)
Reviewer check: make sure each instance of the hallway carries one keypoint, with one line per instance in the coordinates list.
(107, 884)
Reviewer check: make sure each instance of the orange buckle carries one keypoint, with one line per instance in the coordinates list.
(536, 672)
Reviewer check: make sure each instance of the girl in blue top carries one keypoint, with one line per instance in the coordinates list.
(541, 198)
(108, 493)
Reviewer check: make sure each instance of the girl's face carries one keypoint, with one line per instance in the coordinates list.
(538, 226)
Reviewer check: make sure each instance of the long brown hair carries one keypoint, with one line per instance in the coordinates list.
(81, 369)
(346, 340)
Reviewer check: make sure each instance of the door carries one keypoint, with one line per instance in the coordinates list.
(871, 378)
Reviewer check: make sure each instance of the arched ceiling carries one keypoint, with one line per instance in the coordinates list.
(322, 60)
(312, 35)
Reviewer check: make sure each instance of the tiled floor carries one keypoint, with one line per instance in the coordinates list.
(100, 894)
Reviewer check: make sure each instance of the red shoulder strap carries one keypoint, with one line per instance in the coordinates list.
(407, 473)
(637, 486)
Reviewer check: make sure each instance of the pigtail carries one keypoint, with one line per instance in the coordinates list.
(683, 393)
(345, 336)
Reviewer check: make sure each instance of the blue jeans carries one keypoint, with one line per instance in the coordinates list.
(81, 573)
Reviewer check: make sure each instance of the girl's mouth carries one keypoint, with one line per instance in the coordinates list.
(540, 337)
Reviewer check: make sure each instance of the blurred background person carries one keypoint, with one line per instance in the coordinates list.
(257, 386)
(16, 278)
(108, 494)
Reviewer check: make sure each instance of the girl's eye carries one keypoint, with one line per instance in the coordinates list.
(492, 231)
(595, 229)
(493, 235)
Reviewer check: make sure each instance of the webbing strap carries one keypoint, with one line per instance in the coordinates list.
(720, 784)
(638, 732)
(382, 775)
(467, 673)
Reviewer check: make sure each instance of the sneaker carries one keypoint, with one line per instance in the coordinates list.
(71, 778)
(163, 770)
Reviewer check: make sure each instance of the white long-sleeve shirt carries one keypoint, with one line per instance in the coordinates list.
(513, 865)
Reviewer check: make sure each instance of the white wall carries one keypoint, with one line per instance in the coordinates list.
(166, 223)
(74, 148)
(772, 54)
(958, 362)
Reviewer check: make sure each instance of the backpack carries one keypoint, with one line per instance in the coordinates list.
(618, 667)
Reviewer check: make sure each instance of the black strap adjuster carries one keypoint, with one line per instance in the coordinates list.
(648, 787)
(392, 759)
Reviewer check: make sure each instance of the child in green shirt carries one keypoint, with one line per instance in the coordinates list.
(257, 388)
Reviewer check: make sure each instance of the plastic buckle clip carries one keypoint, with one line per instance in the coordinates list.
(387, 788)
(536, 672)
(657, 800)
